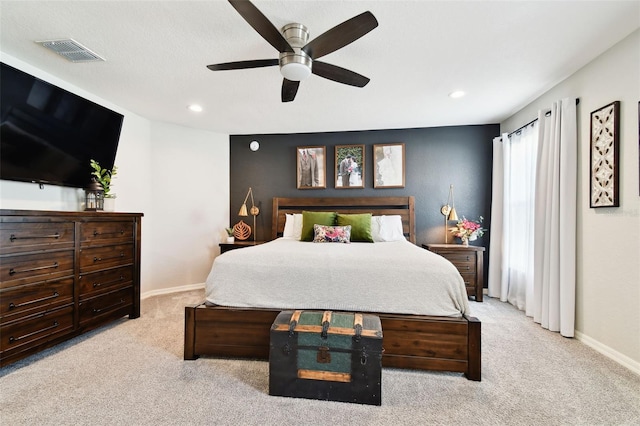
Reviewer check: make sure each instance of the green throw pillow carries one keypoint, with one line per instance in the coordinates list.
(311, 218)
(360, 226)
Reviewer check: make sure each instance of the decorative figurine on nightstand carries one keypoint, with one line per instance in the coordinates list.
(241, 231)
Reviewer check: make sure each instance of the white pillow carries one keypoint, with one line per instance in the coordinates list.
(387, 228)
(292, 226)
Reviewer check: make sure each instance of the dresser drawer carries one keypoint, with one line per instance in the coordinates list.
(106, 305)
(110, 279)
(37, 329)
(33, 236)
(99, 233)
(17, 302)
(23, 269)
(97, 258)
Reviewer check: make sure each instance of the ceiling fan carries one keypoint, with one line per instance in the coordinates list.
(298, 58)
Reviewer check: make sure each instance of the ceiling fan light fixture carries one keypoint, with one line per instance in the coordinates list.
(295, 66)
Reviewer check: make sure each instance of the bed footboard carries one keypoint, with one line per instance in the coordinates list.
(410, 341)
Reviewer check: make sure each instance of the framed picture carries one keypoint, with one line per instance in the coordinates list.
(388, 165)
(311, 170)
(605, 152)
(349, 166)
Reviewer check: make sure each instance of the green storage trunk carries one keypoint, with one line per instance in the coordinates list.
(326, 355)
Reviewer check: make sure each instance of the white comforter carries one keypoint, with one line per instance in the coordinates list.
(391, 277)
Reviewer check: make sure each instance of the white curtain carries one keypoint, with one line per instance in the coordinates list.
(511, 251)
(533, 215)
(555, 219)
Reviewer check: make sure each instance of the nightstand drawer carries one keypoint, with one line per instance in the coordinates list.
(469, 279)
(468, 260)
(225, 247)
(463, 263)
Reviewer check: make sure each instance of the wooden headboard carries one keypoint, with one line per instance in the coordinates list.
(377, 206)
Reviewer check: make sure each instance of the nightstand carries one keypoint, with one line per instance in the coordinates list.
(225, 247)
(468, 260)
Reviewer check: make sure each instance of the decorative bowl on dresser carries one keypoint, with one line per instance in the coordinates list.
(64, 273)
(469, 262)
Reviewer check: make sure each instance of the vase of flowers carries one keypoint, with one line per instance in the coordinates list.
(468, 230)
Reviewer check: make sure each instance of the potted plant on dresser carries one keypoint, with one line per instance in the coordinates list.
(104, 177)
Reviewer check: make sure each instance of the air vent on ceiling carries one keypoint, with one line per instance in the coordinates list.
(71, 50)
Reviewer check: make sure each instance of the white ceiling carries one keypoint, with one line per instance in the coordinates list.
(503, 54)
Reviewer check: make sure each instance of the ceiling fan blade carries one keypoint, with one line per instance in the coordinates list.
(289, 90)
(261, 24)
(258, 63)
(341, 35)
(338, 74)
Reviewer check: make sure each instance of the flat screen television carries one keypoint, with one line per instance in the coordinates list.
(49, 135)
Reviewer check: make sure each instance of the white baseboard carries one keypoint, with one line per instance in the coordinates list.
(605, 350)
(170, 290)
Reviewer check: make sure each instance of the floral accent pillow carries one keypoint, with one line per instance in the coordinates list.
(331, 234)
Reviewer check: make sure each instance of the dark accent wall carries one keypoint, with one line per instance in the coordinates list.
(435, 158)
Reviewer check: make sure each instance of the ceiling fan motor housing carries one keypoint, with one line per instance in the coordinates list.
(296, 34)
(295, 66)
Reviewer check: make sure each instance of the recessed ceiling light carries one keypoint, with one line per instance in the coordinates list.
(456, 94)
(195, 108)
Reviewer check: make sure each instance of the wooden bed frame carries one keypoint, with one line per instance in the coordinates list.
(409, 341)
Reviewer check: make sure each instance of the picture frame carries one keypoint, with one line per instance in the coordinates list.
(389, 165)
(350, 166)
(604, 182)
(311, 167)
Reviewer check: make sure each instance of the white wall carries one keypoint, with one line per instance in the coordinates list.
(608, 245)
(158, 165)
(190, 203)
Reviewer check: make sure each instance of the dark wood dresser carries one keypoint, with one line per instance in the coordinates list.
(64, 273)
(469, 260)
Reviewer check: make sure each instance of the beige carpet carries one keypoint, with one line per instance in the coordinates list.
(132, 373)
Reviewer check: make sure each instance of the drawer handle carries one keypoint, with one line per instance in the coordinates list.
(12, 271)
(12, 238)
(20, 305)
(98, 259)
(96, 233)
(97, 311)
(15, 339)
(117, 280)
